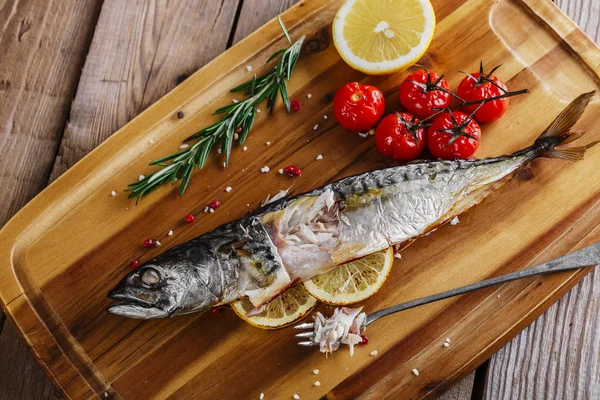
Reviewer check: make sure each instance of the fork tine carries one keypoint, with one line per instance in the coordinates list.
(305, 335)
(306, 325)
(306, 344)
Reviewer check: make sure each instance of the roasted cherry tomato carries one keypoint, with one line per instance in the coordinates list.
(479, 86)
(398, 136)
(422, 91)
(453, 135)
(358, 107)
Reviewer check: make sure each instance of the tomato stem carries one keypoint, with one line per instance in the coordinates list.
(475, 102)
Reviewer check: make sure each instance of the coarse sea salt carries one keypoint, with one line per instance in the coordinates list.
(113, 193)
(248, 68)
(151, 141)
(281, 171)
(374, 353)
(415, 371)
(317, 383)
(316, 372)
(397, 255)
(245, 148)
(170, 233)
(308, 96)
(363, 134)
(228, 189)
(157, 243)
(325, 117)
(446, 344)
(235, 100)
(319, 157)
(184, 146)
(316, 127)
(296, 397)
(268, 143)
(454, 221)
(262, 396)
(265, 169)
(142, 177)
(258, 110)
(447, 340)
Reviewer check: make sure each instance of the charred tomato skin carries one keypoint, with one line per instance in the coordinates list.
(394, 140)
(358, 107)
(420, 102)
(463, 147)
(470, 89)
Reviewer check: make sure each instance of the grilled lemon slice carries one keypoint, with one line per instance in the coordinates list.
(383, 36)
(353, 281)
(291, 306)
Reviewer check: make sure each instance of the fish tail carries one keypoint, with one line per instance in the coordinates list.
(559, 132)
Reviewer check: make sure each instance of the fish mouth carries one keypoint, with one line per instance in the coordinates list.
(129, 306)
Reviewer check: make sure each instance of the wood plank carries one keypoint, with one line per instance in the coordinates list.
(585, 13)
(43, 46)
(141, 50)
(256, 13)
(21, 377)
(558, 353)
(462, 390)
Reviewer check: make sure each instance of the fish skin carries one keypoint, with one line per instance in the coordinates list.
(255, 257)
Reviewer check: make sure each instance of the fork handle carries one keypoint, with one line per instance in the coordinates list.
(586, 257)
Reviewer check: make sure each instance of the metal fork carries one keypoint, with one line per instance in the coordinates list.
(586, 257)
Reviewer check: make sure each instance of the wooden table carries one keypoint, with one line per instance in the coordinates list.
(74, 71)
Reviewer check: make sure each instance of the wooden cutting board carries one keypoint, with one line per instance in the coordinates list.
(65, 249)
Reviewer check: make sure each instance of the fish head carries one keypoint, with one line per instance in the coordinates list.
(166, 286)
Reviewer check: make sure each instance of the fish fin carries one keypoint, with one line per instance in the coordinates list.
(573, 137)
(561, 127)
(569, 154)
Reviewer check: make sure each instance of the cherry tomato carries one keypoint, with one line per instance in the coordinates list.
(422, 91)
(395, 137)
(358, 107)
(453, 135)
(478, 86)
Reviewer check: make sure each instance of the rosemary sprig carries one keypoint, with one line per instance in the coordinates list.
(238, 118)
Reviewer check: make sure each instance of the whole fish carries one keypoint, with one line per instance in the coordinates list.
(296, 238)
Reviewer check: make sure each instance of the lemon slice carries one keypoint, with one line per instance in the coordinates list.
(291, 306)
(353, 281)
(383, 36)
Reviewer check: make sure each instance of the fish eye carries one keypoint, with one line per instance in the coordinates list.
(150, 277)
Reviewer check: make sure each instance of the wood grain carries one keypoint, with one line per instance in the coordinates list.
(462, 390)
(21, 377)
(585, 13)
(141, 50)
(559, 352)
(255, 13)
(43, 46)
(111, 354)
(557, 355)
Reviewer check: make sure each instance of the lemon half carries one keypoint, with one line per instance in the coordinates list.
(383, 36)
(353, 281)
(291, 306)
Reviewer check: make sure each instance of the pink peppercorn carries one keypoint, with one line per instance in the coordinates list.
(296, 105)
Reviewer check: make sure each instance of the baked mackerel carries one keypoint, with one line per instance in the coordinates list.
(296, 238)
